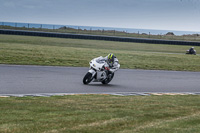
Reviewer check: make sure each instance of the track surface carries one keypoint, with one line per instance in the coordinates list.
(17, 79)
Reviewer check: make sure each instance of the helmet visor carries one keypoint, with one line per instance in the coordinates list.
(110, 60)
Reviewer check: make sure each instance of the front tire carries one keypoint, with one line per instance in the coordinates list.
(87, 79)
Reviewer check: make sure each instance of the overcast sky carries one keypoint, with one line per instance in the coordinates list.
(183, 15)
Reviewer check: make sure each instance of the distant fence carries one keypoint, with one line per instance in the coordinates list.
(96, 37)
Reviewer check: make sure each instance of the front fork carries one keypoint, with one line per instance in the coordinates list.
(93, 72)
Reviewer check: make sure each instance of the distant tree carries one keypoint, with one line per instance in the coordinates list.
(64, 27)
(195, 34)
(144, 34)
(170, 33)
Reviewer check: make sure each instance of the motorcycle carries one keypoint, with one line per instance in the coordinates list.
(98, 71)
(188, 52)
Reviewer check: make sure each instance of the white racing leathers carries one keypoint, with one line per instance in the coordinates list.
(113, 66)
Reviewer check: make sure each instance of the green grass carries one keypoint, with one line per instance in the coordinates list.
(28, 50)
(100, 113)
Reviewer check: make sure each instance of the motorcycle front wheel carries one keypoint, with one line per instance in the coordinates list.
(87, 79)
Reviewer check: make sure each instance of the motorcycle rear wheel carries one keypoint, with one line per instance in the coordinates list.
(106, 81)
(87, 79)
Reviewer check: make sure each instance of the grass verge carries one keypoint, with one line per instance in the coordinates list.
(26, 50)
(100, 113)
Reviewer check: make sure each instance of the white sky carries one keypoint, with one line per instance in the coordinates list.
(183, 15)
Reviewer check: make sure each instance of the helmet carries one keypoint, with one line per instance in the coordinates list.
(111, 58)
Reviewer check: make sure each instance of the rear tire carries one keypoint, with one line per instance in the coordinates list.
(106, 81)
(87, 79)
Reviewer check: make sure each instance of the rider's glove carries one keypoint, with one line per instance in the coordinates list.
(107, 68)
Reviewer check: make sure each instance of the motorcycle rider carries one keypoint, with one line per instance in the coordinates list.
(113, 64)
(191, 50)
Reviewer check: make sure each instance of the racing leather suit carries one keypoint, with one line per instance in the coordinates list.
(114, 66)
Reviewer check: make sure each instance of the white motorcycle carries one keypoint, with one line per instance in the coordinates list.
(98, 72)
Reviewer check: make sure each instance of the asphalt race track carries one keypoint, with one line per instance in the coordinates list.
(19, 79)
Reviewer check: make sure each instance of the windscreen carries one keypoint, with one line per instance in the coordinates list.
(100, 60)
